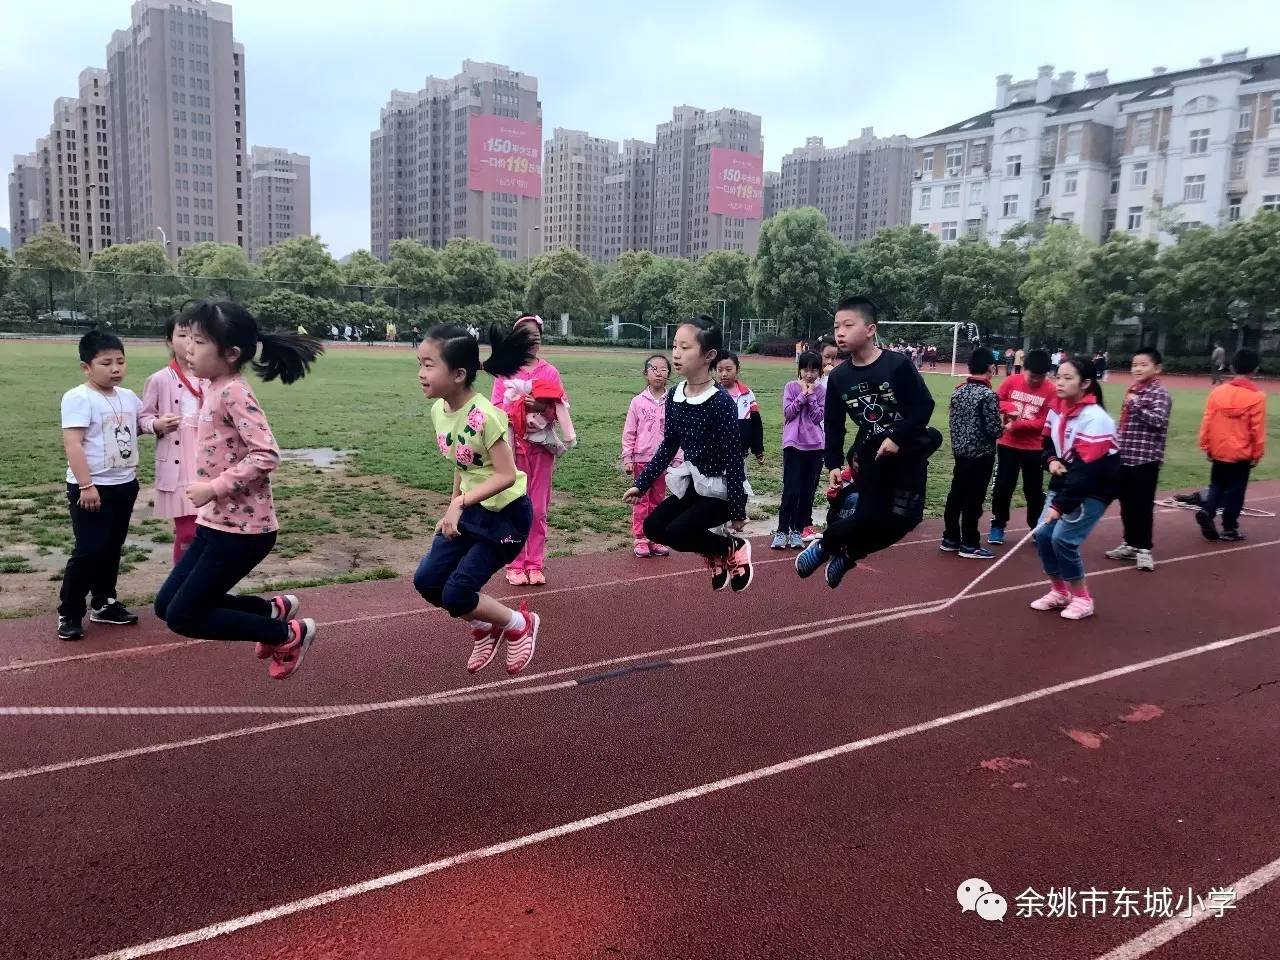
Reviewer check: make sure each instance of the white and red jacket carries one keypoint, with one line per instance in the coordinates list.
(1082, 437)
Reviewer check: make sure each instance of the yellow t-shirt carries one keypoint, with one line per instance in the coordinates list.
(465, 437)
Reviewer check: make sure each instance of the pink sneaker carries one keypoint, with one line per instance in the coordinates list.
(1078, 609)
(740, 572)
(484, 646)
(284, 608)
(287, 657)
(517, 578)
(536, 579)
(1053, 600)
(643, 550)
(520, 646)
(809, 535)
(658, 550)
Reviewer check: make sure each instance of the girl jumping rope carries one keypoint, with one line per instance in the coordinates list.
(1083, 459)
(490, 516)
(709, 489)
(170, 409)
(234, 456)
(641, 436)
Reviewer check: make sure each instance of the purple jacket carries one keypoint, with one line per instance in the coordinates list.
(802, 416)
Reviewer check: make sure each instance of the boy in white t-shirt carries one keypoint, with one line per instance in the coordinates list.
(100, 435)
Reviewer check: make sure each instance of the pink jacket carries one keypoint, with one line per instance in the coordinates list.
(642, 433)
(507, 395)
(236, 453)
(175, 451)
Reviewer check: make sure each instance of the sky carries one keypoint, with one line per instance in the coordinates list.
(318, 73)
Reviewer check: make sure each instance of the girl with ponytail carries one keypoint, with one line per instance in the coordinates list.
(490, 515)
(234, 455)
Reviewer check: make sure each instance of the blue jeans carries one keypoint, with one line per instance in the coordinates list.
(1059, 541)
(452, 575)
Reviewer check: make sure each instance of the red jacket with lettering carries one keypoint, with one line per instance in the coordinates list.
(1029, 408)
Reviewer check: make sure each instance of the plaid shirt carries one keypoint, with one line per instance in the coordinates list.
(1144, 423)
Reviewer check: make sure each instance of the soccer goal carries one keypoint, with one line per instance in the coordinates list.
(967, 330)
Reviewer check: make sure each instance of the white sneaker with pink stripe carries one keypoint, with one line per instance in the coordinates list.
(520, 646)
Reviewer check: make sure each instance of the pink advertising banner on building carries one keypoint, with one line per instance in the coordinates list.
(504, 155)
(737, 184)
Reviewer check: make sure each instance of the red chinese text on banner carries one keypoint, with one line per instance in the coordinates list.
(504, 155)
(737, 184)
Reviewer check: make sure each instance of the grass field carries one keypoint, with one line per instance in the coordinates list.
(372, 514)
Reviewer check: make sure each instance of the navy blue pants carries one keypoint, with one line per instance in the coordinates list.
(452, 575)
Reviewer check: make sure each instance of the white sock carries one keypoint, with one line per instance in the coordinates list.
(516, 624)
(481, 625)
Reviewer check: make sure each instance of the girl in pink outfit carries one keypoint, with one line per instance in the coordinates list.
(641, 437)
(170, 408)
(536, 460)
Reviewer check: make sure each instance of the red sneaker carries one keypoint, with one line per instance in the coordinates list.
(284, 607)
(658, 550)
(484, 646)
(520, 646)
(287, 657)
(809, 535)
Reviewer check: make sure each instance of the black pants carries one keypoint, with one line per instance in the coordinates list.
(1009, 463)
(94, 564)
(196, 600)
(684, 524)
(1137, 503)
(800, 472)
(861, 536)
(1227, 484)
(969, 483)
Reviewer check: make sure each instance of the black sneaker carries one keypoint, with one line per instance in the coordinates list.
(1206, 525)
(719, 572)
(1231, 536)
(1192, 499)
(69, 628)
(739, 565)
(113, 612)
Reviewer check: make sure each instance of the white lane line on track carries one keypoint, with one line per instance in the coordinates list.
(1162, 933)
(655, 803)
(426, 611)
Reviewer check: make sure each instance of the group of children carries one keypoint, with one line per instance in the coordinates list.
(684, 446)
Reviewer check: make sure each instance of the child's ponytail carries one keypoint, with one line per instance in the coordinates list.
(510, 350)
(286, 355)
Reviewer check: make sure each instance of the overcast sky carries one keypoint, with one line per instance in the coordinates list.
(318, 73)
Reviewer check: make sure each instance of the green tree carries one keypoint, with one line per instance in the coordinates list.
(49, 250)
(656, 293)
(193, 257)
(898, 268)
(6, 269)
(363, 269)
(560, 282)
(719, 275)
(617, 289)
(473, 271)
(418, 270)
(1054, 286)
(303, 261)
(513, 282)
(1192, 286)
(794, 275)
(978, 283)
(229, 262)
(146, 257)
(283, 309)
(1117, 281)
(1252, 249)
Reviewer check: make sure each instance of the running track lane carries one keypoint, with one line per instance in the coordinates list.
(650, 733)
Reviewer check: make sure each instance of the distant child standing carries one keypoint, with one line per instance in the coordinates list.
(235, 455)
(803, 442)
(1083, 458)
(490, 515)
(1025, 401)
(535, 460)
(1233, 434)
(975, 426)
(171, 409)
(1144, 429)
(641, 437)
(831, 358)
(1019, 356)
(709, 488)
(100, 436)
(749, 422)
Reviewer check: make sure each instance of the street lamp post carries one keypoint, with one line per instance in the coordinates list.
(164, 239)
(724, 319)
(528, 255)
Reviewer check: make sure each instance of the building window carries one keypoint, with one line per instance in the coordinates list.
(1273, 161)
(1073, 142)
(1139, 174)
(1271, 201)
(1233, 209)
(951, 196)
(1108, 223)
(1115, 182)
(1237, 168)
(1046, 184)
(926, 198)
(949, 231)
(1135, 218)
(1199, 142)
(928, 162)
(1142, 131)
(1070, 181)
(1193, 188)
(975, 193)
(1246, 119)
(1009, 208)
(1013, 165)
(955, 158)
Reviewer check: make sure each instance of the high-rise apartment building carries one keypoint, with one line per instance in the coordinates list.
(860, 187)
(1169, 150)
(575, 171)
(422, 169)
(629, 200)
(279, 197)
(772, 187)
(26, 199)
(683, 225)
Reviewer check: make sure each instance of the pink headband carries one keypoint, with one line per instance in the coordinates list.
(530, 317)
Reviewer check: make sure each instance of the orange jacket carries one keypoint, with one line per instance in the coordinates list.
(1234, 428)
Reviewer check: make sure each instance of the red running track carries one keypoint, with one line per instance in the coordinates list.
(634, 837)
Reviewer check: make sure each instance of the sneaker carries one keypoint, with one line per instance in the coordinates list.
(520, 646)
(976, 553)
(69, 628)
(536, 579)
(658, 550)
(284, 607)
(287, 657)
(837, 567)
(719, 572)
(810, 559)
(1053, 600)
(1078, 609)
(1193, 499)
(484, 644)
(113, 612)
(779, 541)
(809, 535)
(517, 578)
(996, 536)
(740, 572)
(1145, 560)
(1231, 536)
(795, 541)
(949, 546)
(642, 550)
(1206, 525)
(1122, 552)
